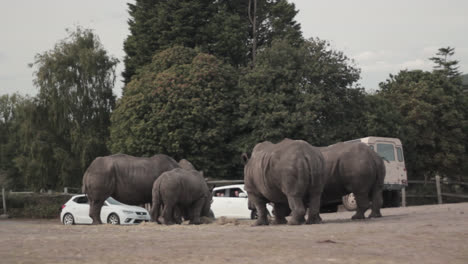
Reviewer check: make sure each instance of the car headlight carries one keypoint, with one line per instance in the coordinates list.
(127, 212)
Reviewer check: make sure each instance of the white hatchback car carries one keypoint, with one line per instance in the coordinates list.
(76, 211)
(231, 201)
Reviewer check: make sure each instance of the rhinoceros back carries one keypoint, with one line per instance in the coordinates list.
(289, 167)
(126, 178)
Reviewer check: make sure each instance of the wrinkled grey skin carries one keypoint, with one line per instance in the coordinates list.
(185, 164)
(126, 178)
(289, 174)
(354, 167)
(181, 191)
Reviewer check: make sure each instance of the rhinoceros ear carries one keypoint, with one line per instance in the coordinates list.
(245, 158)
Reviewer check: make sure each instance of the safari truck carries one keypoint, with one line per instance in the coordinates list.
(391, 151)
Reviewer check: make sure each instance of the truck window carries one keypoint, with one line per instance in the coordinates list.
(399, 153)
(386, 151)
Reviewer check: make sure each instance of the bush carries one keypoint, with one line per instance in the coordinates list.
(35, 205)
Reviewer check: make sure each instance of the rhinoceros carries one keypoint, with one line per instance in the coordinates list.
(354, 168)
(182, 190)
(126, 178)
(291, 175)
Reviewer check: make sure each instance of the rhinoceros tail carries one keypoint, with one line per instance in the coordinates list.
(378, 185)
(156, 208)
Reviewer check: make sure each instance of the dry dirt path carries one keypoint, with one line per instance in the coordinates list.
(420, 234)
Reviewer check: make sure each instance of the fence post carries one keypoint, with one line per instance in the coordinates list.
(4, 201)
(65, 189)
(403, 197)
(439, 192)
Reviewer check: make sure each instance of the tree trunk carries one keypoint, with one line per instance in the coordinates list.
(253, 21)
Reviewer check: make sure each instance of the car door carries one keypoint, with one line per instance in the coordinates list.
(236, 205)
(240, 202)
(106, 210)
(81, 210)
(219, 206)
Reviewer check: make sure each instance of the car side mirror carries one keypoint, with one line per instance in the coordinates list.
(242, 195)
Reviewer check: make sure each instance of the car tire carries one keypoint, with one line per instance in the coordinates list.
(68, 219)
(113, 219)
(349, 202)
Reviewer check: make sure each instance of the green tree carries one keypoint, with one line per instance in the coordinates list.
(181, 105)
(444, 65)
(433, 122)
(221, 28)
(303, 92)
(9, 116)
(66, 126)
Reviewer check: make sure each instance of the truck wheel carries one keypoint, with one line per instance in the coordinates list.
(349, 202)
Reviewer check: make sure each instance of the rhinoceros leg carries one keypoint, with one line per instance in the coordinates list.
(168, 213)
(314, 208)
(362, 201)
(377, 202)
(298, 210)
(281, 211)
(195, 212)
(95, 211)
(260, 205)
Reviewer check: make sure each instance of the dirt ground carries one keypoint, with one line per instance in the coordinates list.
(420, 234)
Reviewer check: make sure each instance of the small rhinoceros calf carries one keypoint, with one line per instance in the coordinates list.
(181, 190)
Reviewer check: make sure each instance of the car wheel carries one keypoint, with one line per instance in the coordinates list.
(113, 219)
(349, 202)
(253, 214)
(68, 219)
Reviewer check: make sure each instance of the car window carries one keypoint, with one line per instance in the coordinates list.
(399, 154)
(234, 192)
(219, 193)
(386, 151)
(111, 200)
(81, 200)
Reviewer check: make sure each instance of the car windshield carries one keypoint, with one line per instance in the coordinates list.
(111, 200)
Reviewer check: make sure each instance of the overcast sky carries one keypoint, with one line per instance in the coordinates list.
(382, 37)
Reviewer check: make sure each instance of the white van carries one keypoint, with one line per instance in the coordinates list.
(391, 151)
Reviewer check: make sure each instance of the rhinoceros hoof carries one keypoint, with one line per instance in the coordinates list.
(375, 215)
(294, 221)
(260, 223)
(358, 217)
(314, 220)
(280, 221)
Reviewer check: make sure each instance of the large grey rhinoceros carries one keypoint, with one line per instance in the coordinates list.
(126, 178)
(354, 168)
(291, 175)
(184, 190)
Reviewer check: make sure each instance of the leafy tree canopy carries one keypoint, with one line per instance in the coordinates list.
(181, 105)
(65, 127)
(221, 28)
(433, 121)
(303, 92)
